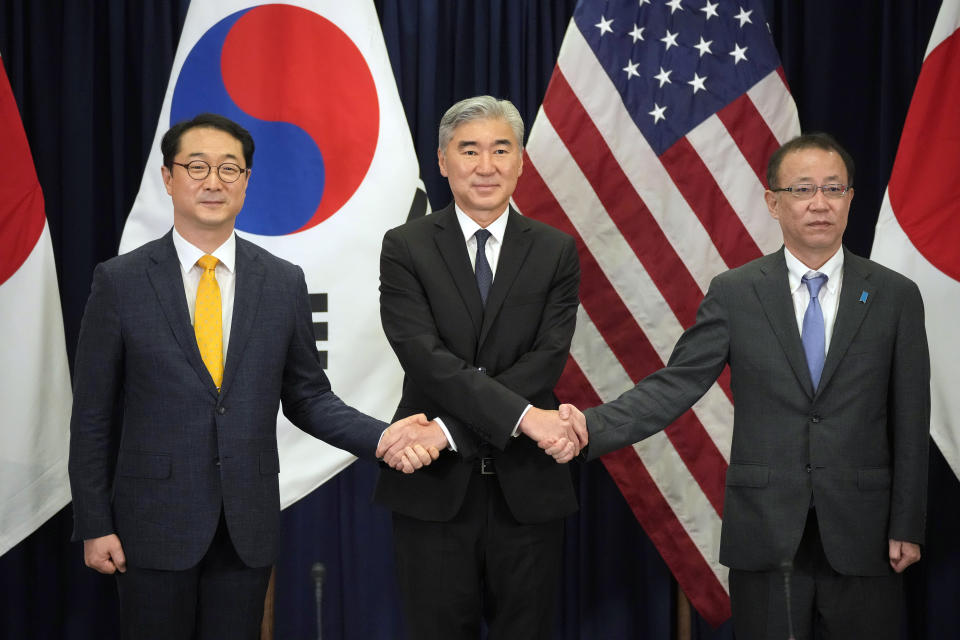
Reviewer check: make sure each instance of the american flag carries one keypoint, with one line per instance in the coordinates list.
(650, 149)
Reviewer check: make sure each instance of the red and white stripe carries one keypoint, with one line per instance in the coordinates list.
(651, 233)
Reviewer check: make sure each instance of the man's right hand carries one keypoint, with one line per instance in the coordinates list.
(556, 433)
(561, 449)
(105, 554)
(411, 443)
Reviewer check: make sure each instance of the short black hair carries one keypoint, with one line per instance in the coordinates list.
(170, 143)
(814, 140)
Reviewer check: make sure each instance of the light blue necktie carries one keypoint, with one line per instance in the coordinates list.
(483, 272)
(813, 335)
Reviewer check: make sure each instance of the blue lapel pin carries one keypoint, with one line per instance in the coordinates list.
(863, 297)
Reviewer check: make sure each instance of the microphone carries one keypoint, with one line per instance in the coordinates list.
(787, 568)
(318, 571)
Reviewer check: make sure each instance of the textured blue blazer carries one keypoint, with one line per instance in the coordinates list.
(156, 451)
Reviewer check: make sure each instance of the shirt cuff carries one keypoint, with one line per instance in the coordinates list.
(516, 427)
(443, 427)
(379, 440)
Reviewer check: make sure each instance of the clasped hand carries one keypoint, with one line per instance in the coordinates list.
(561, 434)
(411, 443)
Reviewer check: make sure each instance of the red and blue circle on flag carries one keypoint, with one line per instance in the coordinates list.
(302, 88)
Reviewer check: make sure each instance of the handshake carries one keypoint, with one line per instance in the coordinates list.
(561, 434)
(414, 442)
(411, 443)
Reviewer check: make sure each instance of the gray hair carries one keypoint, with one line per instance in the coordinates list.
(480, 108)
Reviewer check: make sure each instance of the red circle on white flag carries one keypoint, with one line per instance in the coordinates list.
(21, 201)
(924, 184)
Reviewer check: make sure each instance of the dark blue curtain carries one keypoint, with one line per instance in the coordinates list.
(89, 78)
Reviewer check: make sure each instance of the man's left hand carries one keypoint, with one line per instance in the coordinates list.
(903, 554)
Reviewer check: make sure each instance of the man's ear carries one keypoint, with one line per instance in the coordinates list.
(442, 162)
(167, 176)
(773, 203)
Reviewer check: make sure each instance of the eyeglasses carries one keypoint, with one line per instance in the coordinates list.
(200, 169)
(806, 191)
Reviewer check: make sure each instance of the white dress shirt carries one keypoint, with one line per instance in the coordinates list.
(225, 272)
(829, 295)
(492, 247)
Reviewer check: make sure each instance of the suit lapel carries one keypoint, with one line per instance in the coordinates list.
(248, 281)
(850, 312)
(453, 250)
(513, 253)
(773, 289)
(166, 278)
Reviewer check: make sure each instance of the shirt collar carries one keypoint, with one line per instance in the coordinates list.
(188, 254)
(468, 225)
(831, 268)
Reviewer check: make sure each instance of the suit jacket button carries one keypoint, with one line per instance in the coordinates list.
(216, 461)
(482, 370)
(815, 419)
(221, 410)
(808, 468)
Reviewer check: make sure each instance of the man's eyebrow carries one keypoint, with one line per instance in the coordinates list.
(828, 179)
(473, 143)
(200, 154)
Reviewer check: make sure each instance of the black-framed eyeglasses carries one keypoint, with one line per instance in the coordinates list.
(200, 169)
(806, 190)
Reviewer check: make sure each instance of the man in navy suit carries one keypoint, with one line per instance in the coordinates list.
(173, 453)
(831, 386)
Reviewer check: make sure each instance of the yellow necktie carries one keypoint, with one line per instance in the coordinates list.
(208, 319)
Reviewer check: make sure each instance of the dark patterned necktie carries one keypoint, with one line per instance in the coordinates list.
(483, 272)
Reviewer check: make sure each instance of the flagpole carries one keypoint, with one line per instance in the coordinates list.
(266, 625)
(683, 613)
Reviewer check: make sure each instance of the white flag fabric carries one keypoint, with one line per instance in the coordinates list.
(334, 168)
(35, 392)
(652, 153)
(918, 231)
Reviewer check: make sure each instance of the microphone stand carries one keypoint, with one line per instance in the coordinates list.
(787, 568)
(318, 571)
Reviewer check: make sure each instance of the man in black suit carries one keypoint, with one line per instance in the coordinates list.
(830, 376)
(173, 452)
(479, 304)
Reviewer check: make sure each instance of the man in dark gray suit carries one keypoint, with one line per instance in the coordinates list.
(830, 379)
(173, 453)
